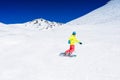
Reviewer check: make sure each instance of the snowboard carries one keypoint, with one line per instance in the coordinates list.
(64, 55)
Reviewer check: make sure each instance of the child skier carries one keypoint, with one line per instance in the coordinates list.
(72, 40)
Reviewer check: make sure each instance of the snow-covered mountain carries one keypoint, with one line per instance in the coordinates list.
(108, 13)
(34, 55)
(42, 24)
(37, 24)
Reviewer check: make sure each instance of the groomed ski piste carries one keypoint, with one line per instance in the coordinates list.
(32, 54)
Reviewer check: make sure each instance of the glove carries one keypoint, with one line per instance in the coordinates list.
(80, 43)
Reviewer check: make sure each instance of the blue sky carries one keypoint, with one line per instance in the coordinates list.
(19, 11)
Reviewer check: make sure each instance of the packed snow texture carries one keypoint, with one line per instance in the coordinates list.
(31, 54)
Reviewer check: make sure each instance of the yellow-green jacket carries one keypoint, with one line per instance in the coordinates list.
(73, 40)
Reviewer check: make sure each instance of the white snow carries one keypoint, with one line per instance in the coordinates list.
(30, 54)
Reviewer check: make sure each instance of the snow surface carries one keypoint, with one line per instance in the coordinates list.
(31, 54)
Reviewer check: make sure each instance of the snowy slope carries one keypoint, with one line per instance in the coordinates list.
(28, 54)
(2, 24)
(108, 13)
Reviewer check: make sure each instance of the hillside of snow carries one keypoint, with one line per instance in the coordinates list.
(107, 14)
(30, 54)
(1, 24)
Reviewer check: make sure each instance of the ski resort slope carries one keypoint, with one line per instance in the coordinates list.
(30, 54)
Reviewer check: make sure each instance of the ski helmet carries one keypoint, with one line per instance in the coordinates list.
(74, 33)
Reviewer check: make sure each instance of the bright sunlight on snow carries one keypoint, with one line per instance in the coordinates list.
(33, 54)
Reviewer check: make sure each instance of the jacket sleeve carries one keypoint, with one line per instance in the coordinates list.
(77, 40)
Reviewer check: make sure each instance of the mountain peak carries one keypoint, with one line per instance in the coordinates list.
(39, 20)
(42, 24)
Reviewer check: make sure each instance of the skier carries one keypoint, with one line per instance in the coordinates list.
(72, 40)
